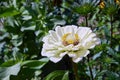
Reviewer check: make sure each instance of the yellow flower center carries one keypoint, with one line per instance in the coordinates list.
(117, 1)
(102, 4)
(70, 38)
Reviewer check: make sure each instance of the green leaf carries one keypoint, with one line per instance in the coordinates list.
(58, 22)
(57, 75)
(106, 31)
(9, 12)
(84, 9)
(28, 28)
(97, 55)
(27, 17)
(5, 72)
(35, 64)
(66, 77)
(110, 51)
(111, 7)
(8, 63)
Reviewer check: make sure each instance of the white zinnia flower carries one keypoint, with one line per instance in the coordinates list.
(71, 40)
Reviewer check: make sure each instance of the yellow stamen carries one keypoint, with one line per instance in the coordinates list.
(76, 36)
(70, 39)
(65, 36)
(117, 2)
(102, 4)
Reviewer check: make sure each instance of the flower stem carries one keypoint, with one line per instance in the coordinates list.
(111, 36)
(88, 60)
(75, 70)
(86, 21)
(90, 69)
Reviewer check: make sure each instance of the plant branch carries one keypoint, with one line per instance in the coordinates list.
(111, 36)
(75, 70)
(90, 69)
(86, 20)
(88, 60)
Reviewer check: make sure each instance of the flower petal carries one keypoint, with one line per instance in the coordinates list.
(63, 54)
(71, 54)
(49, 39)
(54, 48)
(90, 41)
(97, 41)
(75, 28)
(54, 35)
(80, 55)
(77, 59)
(83, 32)
(68, 29)
(59, 31)
(47, 53)
(45, 38)
(55, 59)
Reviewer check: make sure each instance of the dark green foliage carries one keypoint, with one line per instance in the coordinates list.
(57, 75)
(23, 24)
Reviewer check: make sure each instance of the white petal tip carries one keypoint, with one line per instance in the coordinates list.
(77, 60)
(55, 60)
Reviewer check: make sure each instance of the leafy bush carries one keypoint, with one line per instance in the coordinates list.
(24, 23)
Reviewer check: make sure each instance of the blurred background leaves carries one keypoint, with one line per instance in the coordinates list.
(23, 23)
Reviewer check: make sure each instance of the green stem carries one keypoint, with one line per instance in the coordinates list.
(111, 30)
(86, 21)
(90, 69)
(86, 18)
(88, 60)
(75, 70)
